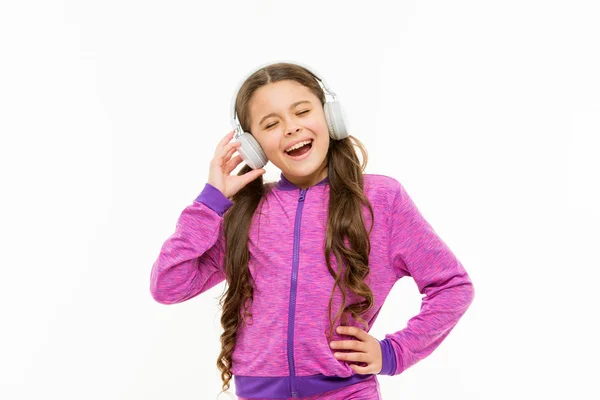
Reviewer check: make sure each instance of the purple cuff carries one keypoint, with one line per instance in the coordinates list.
(214, 199)
(388, 358)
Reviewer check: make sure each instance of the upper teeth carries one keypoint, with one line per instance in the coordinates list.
(297, 146)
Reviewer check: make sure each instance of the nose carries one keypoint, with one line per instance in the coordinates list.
(292, 130)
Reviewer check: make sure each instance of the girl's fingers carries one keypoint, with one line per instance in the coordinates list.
(231, 164)
(351, 356)
(227, 149)
(350, 345)
(223, 154)
(226, 139)
(361, 370)
(229, 153)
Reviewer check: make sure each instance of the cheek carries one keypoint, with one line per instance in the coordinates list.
(271, 147)
(319, 127)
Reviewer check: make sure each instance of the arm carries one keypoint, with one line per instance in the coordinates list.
(416, 250)
(191, 260)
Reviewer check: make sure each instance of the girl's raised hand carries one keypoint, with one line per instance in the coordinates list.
(222, 164)
(367, 350)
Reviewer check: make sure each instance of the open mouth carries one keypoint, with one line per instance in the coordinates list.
(301, 151)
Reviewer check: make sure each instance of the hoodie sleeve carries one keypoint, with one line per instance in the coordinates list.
(416, 250)
(191, 259)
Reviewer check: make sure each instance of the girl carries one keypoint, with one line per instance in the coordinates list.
(324, 238)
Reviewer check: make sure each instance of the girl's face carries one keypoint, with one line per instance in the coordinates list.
(285, 113)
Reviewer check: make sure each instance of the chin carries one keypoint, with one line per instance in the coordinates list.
(309, 166)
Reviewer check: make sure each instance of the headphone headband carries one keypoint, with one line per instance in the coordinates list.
(235, 123)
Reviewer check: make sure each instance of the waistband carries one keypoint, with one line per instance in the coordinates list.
(280, 387)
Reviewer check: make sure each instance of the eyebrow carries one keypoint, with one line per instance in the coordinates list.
(274, 114)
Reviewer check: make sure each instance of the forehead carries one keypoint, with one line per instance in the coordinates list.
(278, 96)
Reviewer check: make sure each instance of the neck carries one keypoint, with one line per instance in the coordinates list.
(311, 180)
(303, 182)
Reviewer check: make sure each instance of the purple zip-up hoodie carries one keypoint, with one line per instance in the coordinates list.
(284, 352)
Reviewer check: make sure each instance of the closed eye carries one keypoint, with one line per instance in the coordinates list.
(275, 123)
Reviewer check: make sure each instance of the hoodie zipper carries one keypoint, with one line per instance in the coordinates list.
(294, 284)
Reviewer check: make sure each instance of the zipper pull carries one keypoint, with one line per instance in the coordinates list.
(302, 194)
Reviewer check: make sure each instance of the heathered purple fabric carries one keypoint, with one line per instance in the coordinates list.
(403, 244)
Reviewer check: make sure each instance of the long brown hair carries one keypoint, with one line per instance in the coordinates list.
(345, 220)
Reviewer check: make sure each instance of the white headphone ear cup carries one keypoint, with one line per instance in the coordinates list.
(336, 121)
(251, 151)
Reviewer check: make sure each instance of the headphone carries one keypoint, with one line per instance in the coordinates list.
(251, 151)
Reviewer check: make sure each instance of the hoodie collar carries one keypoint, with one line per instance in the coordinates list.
(284, 184)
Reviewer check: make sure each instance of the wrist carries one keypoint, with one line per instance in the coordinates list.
(214, 199)
(388, 358)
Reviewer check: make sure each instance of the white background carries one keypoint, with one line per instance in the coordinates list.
(487, 112)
